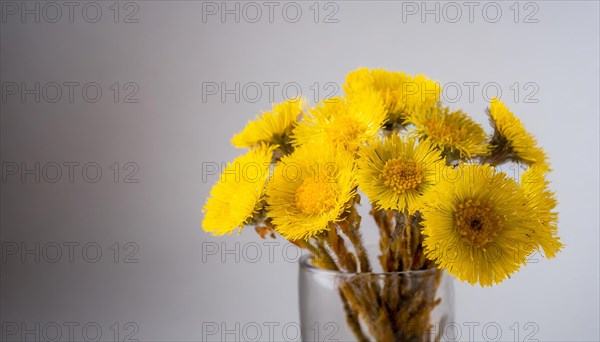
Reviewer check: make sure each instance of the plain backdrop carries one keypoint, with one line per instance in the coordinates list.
(116, 248)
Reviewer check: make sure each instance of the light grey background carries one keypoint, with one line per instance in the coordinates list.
(179, 287)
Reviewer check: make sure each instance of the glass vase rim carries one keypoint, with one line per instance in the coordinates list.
(305, 263)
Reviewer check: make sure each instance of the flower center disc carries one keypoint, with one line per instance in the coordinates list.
(313, 197)
(477, 222)
(344, 130)
(402, 175)
(444, 131)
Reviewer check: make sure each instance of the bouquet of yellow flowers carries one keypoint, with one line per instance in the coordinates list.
(429, 173)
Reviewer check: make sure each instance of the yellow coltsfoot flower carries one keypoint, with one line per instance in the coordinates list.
(396, 172)
(402, 94)
(476, 225)
(310, 189)
(541, 203)
(272, 128)
(342, 122)
(237, 196)
(511, 141)
(453, 133)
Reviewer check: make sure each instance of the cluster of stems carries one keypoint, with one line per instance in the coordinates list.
(389, 306)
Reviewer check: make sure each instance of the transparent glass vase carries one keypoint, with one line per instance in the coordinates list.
(393, 306)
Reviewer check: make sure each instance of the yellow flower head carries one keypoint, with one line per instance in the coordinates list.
(510, 137)
(454, 133)
(402, 94)
(310, 189)
(541, 204)
(236, 197)
(395, 173)
(475, 225)
(272, 127)
(342, 123)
